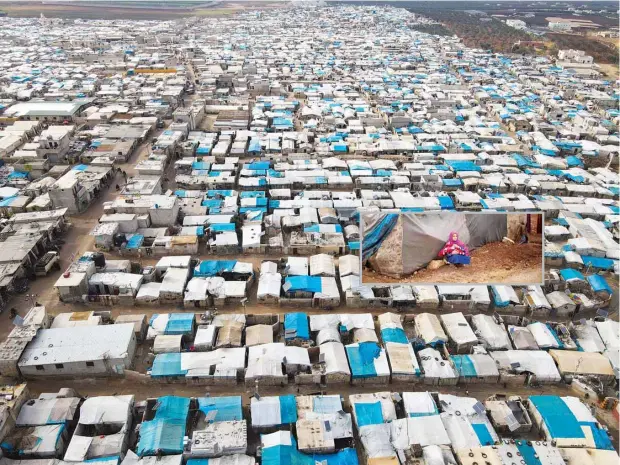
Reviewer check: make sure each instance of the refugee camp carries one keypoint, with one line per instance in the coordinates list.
(198, 198)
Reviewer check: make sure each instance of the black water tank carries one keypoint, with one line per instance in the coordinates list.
(119, 239)
(99, 259)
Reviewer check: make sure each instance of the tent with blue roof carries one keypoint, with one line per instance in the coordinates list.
(167, 365)
(570, 274)
(294, 284)
(284, 452)
(172, 323)
(568, 422)
(463, 165)
(598, 263)
(367, 360)
(273, 411)
(210, 268)
(225, 408)
(600, 285)
(296, 326)
(164, 434)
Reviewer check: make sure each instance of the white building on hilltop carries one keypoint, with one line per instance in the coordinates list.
(516, 23)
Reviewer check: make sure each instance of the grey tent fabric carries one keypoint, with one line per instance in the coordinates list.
(425, 234)
(485, 227)
(418, 238)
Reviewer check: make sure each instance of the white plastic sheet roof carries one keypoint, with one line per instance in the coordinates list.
(537, 362)
(426, 431)
(494, 336)
(458, 329)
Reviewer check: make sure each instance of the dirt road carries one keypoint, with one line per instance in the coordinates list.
(492, 263)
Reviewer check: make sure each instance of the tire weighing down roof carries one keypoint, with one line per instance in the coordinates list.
(397, 245)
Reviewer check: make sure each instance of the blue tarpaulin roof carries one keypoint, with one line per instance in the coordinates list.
(209, 268)
(8, 201)
(568, 274)
(178, 323)
(135, 241)
(289, 455)
(445, 202)
(394, 335)
(598, 262)
(464, 366)
(484, 436)
(463, 165)
(452, 182)
(259, 165)
(222, 227)
(368, 413)
(362, 359)
(296, 326)
(167, 365)
(227, 408)
(558, 418)
(318, 227)
(303, 283)
(18, 175)
(598, 284)
(288, 409)
(165, 432)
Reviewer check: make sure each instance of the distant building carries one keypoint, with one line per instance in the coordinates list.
(575, 56)
(559, 26)
(516, 23)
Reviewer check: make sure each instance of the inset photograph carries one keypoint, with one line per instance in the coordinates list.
(452, 247)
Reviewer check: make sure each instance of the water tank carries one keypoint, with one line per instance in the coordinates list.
(99, 260)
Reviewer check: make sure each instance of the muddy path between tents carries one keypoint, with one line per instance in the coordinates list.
(492, 263)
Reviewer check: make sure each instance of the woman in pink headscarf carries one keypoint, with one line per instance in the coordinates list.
(455, 251)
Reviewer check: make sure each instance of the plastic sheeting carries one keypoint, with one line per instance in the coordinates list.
(494, 336)
(226, 408)
(296, 326)
(273, 411)
(376, 229)
(537, 362)
(302, 284)
(285, 452)
(423, 236)
(208, 268)
(418, 404)
(367, 360)
(165, 432)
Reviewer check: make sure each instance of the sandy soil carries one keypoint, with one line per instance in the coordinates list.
(492, 263)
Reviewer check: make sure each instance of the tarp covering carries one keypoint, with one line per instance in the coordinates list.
(273, 411)
(167, 365)
(286, 453)
(226, 408)
(361, 359)
(368, 413)
(302, 284)
(598, 284)
(165, 432)
(557, 416)
(172, 323)
(296, 326)
(209, 268)
(418, 238)
(376, 230)
(394, 335)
